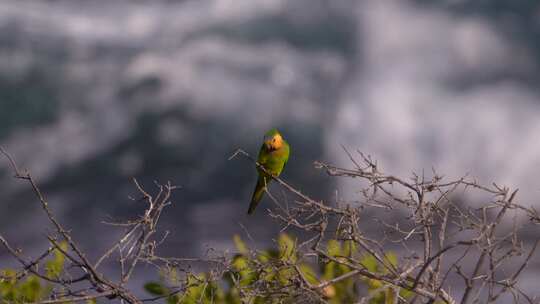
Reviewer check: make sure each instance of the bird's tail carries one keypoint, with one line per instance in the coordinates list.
(258, 193)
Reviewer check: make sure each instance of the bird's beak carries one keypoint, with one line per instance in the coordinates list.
(269, 145)
(273, 143)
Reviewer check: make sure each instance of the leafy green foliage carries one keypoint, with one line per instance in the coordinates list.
(15, 288)
(273, 276)
(276, 275)
(196, 289)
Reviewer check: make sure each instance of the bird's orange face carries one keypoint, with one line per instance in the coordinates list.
(275, 142)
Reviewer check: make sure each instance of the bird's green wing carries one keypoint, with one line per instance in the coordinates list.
(262, 180)
(273, 162)
(287, 153)
(264, 158)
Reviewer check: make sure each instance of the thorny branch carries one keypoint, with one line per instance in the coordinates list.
(449, 250)
(134, 247)
(436, 215)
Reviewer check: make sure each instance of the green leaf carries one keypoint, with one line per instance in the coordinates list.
(240, 263)
(390, 296)
(374, 284)
(155, 288)
(267, 255)
(309, 274)
(285, 275)
(240, 245)
(173, 299)
(405, 293)
(392, 258)
(349, 248)
(31, 289)
(334, 248)
(286, 247)
(55, 266)
(369, 262)
(328, 271)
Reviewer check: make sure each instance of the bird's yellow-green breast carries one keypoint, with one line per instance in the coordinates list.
(273, 156)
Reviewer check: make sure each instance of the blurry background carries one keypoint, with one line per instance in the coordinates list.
(93, 93)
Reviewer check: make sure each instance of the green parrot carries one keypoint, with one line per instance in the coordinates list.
(273, 156)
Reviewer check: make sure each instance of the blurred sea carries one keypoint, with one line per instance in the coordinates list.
(93, 93)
